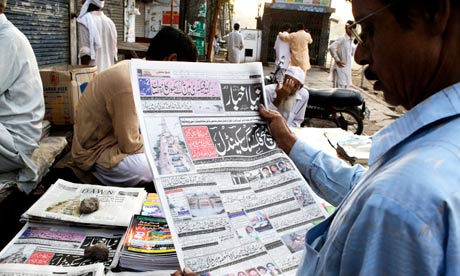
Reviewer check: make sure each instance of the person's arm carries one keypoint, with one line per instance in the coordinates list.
(241, 46)
(84, 52)
(186, 272)
(125, 123)
(309, 39)
(115, 41)
(333, 50)
(328, 176)
(10, 67)
(283, 91)
(286, 37)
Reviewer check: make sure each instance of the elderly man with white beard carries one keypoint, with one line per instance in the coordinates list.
(290, 98)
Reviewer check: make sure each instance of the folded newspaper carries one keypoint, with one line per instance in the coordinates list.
(355, 148)
(59, 245)
(350, 147)
(61, 203)
(234, 202)
(42, 270)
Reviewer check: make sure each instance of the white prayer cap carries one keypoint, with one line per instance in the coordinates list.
(296, 73)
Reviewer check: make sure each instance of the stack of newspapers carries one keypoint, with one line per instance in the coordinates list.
(148, 243)
(56, 233)
(42, 270)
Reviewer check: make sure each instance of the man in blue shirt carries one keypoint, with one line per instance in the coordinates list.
(402, 215)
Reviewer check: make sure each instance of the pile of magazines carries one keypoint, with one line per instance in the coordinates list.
(148, 243)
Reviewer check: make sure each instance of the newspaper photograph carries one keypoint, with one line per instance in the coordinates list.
(61, 202)
(43, 270)
(59, 245)
(235, 203)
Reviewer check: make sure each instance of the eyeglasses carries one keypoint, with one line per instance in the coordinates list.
(352, 27)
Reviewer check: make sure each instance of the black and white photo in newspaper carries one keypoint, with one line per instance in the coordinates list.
(235, 202)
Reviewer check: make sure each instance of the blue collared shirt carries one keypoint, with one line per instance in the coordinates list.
(400, 217)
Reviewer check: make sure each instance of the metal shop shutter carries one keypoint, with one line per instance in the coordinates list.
(46, 24)
(114, 9)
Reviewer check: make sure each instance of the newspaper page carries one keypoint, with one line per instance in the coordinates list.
(146, 273)
(62, 202)
(43, 270)
(59, 245)
(235, 203)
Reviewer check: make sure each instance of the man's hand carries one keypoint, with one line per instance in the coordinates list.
(340, 63)
(187, 272)
(279, 129)
(284, 91)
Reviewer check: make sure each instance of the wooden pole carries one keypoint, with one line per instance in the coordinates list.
(172, 12)
(212, 32)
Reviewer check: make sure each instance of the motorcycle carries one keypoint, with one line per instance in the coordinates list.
(335, 107)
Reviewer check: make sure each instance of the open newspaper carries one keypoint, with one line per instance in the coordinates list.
(233, 200)
(61, 202)
(42, 270)
(60, 245)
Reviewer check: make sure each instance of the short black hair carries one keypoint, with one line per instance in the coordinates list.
(286, 26)
(300, 26)
(172, 41)
(236, 26)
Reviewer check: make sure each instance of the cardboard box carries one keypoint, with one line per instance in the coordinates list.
(62, 86)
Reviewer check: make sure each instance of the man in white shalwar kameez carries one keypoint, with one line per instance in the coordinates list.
(342, 51)
(97, 36)
(21, 102)
(235, 44)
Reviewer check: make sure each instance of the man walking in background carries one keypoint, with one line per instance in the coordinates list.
(342, 51)
(21, 101)
(97, 36)
(235, 45)
(299, 42)
(282, 51)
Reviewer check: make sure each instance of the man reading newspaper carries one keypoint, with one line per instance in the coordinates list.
(401, 216)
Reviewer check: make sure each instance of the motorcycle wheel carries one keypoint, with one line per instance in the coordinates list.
(349, 120)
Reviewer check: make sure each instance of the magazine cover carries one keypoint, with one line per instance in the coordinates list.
(152, 206)
(148, 235)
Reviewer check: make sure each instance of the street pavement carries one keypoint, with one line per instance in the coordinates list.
(381, 114)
